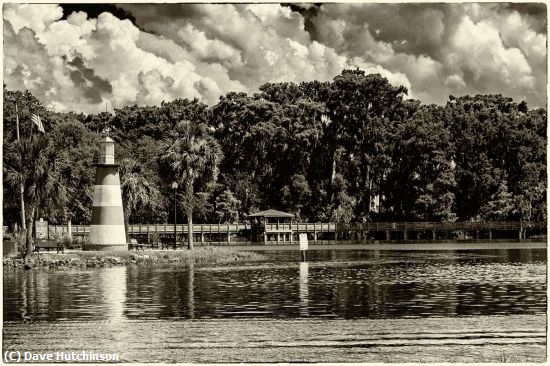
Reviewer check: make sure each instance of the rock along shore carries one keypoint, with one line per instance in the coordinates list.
(93, 259)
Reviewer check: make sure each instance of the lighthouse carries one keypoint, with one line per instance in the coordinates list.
(107, 229)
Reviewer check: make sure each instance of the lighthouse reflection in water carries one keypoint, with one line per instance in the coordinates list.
(337, 284)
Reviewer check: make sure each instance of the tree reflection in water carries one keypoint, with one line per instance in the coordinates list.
(373, 284)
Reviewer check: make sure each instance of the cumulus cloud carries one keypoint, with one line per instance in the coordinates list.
(33, 16)
(477, 49)
(395, 78)
(209, 49)
(29, 66)
(444, 49)
(455, 81)
(82, 64)
(256, 43)
(84, 78)
(147, 53)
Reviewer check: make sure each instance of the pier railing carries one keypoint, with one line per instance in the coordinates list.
(168, 229)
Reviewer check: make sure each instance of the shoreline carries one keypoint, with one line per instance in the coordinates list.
(243, 253)
(398, 246)
(98, 259)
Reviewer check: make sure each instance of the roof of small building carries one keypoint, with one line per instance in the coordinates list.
(271, 213)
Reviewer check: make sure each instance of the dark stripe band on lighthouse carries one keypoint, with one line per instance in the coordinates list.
(107, 231)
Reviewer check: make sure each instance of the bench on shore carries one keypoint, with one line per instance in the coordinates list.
(134, 245)
(168, 245)
(48, 245)
(154, 243)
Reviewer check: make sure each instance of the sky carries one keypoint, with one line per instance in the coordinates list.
(86, 58)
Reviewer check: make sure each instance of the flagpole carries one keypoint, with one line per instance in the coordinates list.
(17, 120)
(21, 185)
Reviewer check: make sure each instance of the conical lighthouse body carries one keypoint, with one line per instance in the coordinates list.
(107, 230)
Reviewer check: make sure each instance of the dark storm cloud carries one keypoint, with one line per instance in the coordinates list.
(536, 13)
(534, 9)
(414, 28)
(92, 85)
(418, 29)
(308, 11)
(93, 10)
(145, 13)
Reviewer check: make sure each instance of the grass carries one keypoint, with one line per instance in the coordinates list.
(207, 255)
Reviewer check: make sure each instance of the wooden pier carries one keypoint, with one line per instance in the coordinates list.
(330, 231)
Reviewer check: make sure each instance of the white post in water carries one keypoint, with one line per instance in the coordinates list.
(107, 229)
(70, 230)
(303, 247)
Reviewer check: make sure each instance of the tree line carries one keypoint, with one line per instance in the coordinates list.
(353, 150)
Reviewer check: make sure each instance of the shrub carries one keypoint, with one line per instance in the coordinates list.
(75, 243)
(154, 238)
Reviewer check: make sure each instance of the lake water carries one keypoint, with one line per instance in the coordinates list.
(341, 305)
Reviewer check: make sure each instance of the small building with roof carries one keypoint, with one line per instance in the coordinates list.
(271, 225)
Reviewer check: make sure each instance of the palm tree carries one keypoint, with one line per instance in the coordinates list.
(137, 192)
(192, 157)
(33, 164)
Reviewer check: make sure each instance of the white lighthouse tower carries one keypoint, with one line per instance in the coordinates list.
(107, 229)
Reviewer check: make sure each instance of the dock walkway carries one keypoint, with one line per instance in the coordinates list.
(319, 231)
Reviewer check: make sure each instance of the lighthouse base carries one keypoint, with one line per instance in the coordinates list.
(107, 237)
